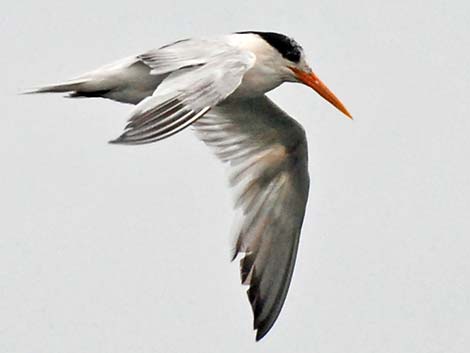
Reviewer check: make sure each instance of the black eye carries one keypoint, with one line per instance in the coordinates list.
(294, 55)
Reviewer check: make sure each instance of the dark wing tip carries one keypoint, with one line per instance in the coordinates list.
(262, 327)
(265, 326)
(117, 141)
(260, 333)
(121, 140)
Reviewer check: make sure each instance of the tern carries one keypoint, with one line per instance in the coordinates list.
(217, 86)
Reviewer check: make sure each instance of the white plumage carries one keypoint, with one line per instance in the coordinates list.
(217, 86)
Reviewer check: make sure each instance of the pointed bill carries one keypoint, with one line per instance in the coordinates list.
(311, 80)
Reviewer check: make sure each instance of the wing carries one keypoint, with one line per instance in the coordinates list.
(267, 153)
(183, 53)
(132, 79)
(186, 95)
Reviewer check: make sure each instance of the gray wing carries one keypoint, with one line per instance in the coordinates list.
(186, 95)
(182, 54)
(267, 153)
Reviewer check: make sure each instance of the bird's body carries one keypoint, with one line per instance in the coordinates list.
(217, 86)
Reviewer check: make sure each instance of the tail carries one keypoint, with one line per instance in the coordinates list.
(127, 80)
(78, 88)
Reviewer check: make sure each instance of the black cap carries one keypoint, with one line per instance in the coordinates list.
(286, 46)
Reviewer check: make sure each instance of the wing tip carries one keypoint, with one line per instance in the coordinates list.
(116, 141)
(263, 328)
(260, 335)
(121, 140)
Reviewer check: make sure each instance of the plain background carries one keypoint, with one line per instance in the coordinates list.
(126, 249)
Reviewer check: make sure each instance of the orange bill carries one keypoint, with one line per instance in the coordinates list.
(311, 80)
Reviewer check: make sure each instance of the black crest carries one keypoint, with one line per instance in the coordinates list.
(286, 46)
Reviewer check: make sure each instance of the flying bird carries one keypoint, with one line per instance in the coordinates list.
(217, 86)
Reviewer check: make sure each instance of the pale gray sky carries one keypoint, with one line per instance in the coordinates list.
(112, 249)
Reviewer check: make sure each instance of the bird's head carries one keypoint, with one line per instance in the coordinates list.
(291, 60)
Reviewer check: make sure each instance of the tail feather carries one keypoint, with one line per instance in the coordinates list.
(72, 86)
(127, 80)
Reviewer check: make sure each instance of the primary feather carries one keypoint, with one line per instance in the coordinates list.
(217, 86)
